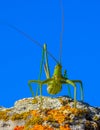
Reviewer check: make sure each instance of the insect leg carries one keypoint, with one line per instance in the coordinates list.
(47, 81)
(41, 66)
(46, 66)
(30, 86)
(66, 76)
(74, 85)
(81, 88)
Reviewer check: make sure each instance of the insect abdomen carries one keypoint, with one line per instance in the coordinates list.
(54, 88)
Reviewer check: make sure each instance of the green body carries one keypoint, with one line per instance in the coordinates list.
(54, 83)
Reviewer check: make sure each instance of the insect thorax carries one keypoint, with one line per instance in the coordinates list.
(57, 70)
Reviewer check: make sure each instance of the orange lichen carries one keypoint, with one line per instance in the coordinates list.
(4, 115)
(40, 127)
(37, 127)
(57, 115)
(54, 116)
(34, 113)
(19, 128)
(75, 111)
(66, 127)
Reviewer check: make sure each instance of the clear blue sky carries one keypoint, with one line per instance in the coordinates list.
(41, 19)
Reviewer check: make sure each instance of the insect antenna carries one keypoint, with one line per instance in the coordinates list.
(62, 30)
(30, 38)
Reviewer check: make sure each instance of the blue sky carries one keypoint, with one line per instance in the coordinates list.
(41, 19)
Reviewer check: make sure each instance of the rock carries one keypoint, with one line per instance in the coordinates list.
(49, 113)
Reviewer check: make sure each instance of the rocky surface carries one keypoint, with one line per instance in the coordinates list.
(52, 114)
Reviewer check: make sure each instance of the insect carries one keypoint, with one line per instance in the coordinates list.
(54, 83)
